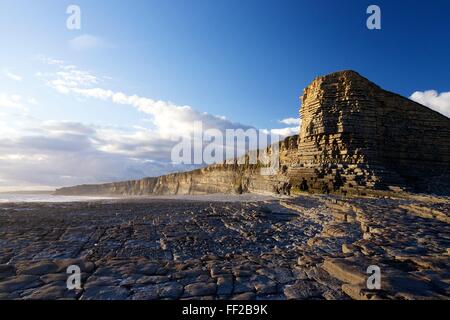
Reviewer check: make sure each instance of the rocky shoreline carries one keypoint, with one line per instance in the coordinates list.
(305, 247)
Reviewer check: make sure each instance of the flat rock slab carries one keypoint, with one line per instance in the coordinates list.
(20, 282)
(304, 289)
(351, 270)
(105, 293)
(308, 247)
(37, 268)
(200, 289)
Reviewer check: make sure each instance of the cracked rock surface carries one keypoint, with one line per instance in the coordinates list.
(307, 247)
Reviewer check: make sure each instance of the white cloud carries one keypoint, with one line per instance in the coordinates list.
(290, 121)
(11, 101)
(15, 102)
(285, 132)
(171, 121)
(439, 102)
(61, 153)
(294, 127)
(49, 153)
(12, 76)
(49, 61)
(86, 42)
(57, 153)
(32, 101)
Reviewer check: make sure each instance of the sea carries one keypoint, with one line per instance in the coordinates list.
(48, 197)
(44, 197)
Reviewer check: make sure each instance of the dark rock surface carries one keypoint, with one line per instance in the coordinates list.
(309, 247)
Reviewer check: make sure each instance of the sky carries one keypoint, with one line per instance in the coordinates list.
(105, 102)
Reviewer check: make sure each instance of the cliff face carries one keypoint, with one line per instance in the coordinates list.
(219, 178)
(355, 137)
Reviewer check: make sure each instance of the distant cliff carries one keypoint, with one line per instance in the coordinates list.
(355, 137)
(218, 178)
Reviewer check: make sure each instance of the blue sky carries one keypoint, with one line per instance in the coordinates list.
(245, 60)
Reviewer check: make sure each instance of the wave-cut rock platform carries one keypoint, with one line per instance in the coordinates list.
(309, 247)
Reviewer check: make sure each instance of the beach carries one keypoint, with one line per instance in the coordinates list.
(305, 247)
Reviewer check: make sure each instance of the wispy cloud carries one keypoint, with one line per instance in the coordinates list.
(12, 76)
(292, 129)
(439, 102)
(282, 132)
(86, 42)
(169, 119)
(48, 60)
(48, 153)
(11, 101)
(32, 101)
(16, 102)
(290, 121)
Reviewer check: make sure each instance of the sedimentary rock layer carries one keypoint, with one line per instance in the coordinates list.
(370, 137)
(355, 137)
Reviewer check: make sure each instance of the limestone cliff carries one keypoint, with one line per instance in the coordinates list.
(355, 137)
(361, 136)
(218, 178)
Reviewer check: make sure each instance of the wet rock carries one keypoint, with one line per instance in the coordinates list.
(171, 290)
(403, 283)
(105, 293)
(303, 289)
(226, 249)
(20, 282)
(54, 277)
(350, 270)
(149, 269)
(244, 296)
(95, 281)
(264, 285)
(37, 268)
(199, 289)
(224, 285)
(149, 292)
(335, 295)
(242, 285)
(6, 271)
(9, 296)
(357, 292)
(152, 279)
(52, 292)
(85, 266)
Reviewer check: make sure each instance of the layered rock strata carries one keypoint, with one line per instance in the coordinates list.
(355, 138)
(356, 135)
